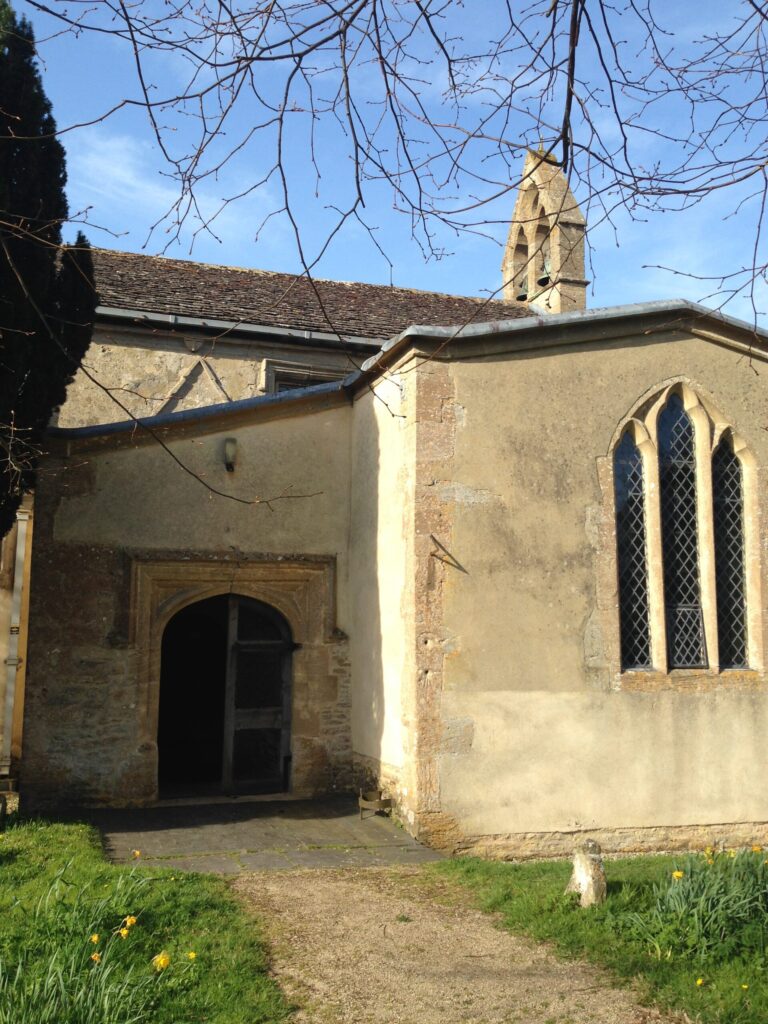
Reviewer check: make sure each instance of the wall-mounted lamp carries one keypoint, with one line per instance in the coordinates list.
(230, 454)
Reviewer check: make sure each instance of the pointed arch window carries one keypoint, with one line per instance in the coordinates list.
(728, 510)
(543, 261)
(633, 562)
(520, 271)
(684, 504)
(679, 538)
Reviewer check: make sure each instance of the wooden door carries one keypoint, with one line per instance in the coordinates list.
(257, 706)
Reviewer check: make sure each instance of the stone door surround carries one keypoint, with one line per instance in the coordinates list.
(302, 590)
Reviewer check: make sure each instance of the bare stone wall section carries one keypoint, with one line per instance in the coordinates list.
(83, 740)
(335, 732)
(157, 372)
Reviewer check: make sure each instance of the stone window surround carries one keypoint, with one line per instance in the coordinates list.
(302, 590)
(709, 427)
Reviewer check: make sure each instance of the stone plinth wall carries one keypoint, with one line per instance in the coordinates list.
(618, 841)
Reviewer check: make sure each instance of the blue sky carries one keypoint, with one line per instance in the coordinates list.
(116, 174)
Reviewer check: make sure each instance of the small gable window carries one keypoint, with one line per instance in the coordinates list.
(681, 538)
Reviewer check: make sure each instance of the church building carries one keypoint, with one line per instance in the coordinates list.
(502, 559)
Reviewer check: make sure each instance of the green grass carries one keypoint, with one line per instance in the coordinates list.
(663, 932)
(57, 890)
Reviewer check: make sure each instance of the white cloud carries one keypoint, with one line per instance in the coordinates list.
(116, 179)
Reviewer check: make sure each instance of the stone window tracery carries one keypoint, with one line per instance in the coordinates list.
(681, 484)
(631, 547)
(728, 505)
(679, 537)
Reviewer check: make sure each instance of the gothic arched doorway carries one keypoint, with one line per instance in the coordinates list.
(225, 699)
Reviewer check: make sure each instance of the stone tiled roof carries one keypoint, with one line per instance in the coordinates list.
(155, 284)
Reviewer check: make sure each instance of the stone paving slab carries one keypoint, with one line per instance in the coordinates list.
(262, 835)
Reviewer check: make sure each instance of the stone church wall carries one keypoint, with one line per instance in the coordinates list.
(124, 538)
(530, 733)
(150, 371)
(444, 549)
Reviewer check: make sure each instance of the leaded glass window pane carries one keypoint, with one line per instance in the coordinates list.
(633, 568)
(729, 557)
(679, 538)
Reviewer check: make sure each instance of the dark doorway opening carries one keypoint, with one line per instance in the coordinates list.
(224, 717)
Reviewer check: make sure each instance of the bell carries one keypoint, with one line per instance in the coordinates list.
(522, 294)
(544, 277)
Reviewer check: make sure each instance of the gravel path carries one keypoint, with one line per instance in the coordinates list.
(393, 946)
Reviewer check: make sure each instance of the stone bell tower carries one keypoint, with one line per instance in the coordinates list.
(543, 262)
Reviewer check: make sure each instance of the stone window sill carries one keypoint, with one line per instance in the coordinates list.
(693, 681)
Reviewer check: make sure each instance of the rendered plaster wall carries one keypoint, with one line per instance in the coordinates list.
(150, 371)
(541, 736)
(88, 732)
(629, 768)
(381, 586)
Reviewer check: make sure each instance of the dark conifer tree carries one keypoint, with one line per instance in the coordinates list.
(47, 296)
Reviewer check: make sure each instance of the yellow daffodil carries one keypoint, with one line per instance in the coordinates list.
(123, 933)
(191, 955)
(699, 982)
(745, 987)
(95, 938)
(135, 854)
(708, 850)
(677, 874)
(710, 860)
(757, 848)
(161, 961)
(130, 921)
(96, 957)
(731, 853)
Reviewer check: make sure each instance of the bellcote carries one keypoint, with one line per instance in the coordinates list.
(543, 262)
